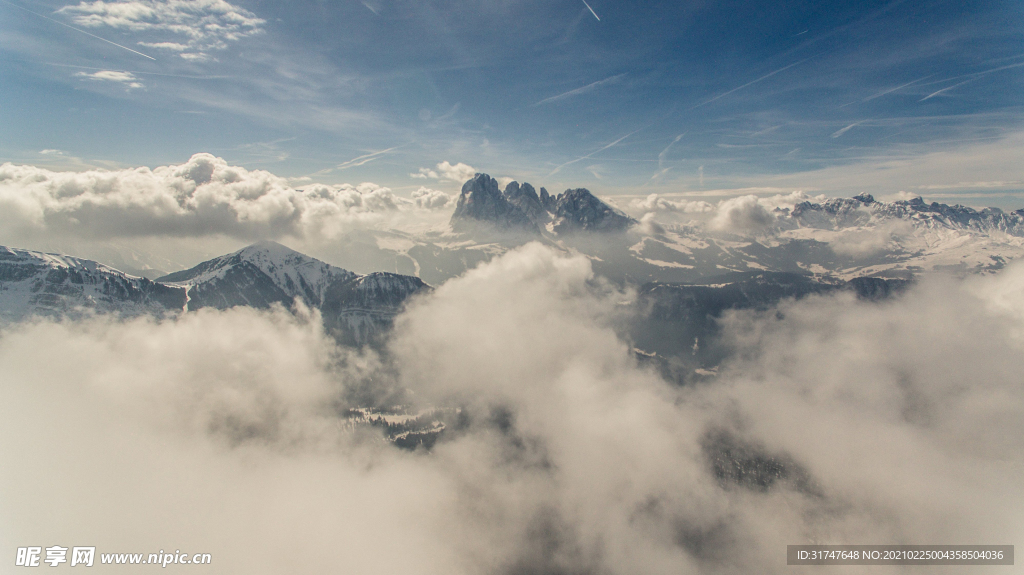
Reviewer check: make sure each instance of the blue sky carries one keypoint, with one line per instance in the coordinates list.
(675, 97)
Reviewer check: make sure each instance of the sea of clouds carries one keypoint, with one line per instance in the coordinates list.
(222, 432)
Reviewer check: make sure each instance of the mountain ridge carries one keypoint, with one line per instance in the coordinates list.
(356, 309)
(519, 207)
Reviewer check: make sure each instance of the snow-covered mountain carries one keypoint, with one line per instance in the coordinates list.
(36, 283)
(258, 275)
(843, 238)
(356, 308)
(679, 322)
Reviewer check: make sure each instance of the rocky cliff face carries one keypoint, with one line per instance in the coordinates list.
(520, 207)
(579, 210)
(482, 201)
(362, 309)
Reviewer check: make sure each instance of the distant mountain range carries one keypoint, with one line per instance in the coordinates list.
(841, 238)
(689, 272)
(357, 309)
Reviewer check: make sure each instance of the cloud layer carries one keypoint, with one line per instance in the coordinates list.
(220, 432)
(204, 196)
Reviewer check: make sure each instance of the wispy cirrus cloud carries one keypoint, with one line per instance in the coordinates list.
(580, 91)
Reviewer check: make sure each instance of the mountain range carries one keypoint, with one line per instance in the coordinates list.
(356, 309)
(689, 270)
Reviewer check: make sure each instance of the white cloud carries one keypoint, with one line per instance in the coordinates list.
(126, 78)
(198, 24)
(568, 458)
(432, 199)
(656, 203)
(457, 173)
(196, 56)
(743, 215)
(204, 196)
(173, 46)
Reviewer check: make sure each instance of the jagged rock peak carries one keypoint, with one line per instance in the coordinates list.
(481, 200)
(526, 199)
(580, 210)
(520, 206)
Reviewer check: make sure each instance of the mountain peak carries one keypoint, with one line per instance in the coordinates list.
(482, 201)
(520, 206)
(580, 210)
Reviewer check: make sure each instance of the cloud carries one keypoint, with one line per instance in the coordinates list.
(223, 432)
(195, 24)
(204, 196)
(842, 131)
(743, 215)
(432, 199)
(173, 46)
(126, 78)
(457, 173)
(656, 203)
(863, 242)
(583, 90)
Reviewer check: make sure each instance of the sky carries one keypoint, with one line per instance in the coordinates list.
(688, 98)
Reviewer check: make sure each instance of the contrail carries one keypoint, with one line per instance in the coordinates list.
(79, 30)
(937, 92)
(880, 94)
(766, 76)
(591, 10)
(846, 129)
(661, 156)
(582, 90)
(359, 160)
(555, 171)
(971, 77)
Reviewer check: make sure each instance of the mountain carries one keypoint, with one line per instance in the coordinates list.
(362, 309)
(678, 324)
(36, 283)
(519, 207)
(482, 202)
(579, 210)
(258, 276)
(357, 309)
(838, 213)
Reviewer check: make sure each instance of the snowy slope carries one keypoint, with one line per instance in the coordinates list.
(258, 275)
(356, 308)
(36, 283)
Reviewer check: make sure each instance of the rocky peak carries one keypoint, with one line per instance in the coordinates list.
(580, 210)
(547, 200)
(526, 199)
(520, 206)
(482, 201)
